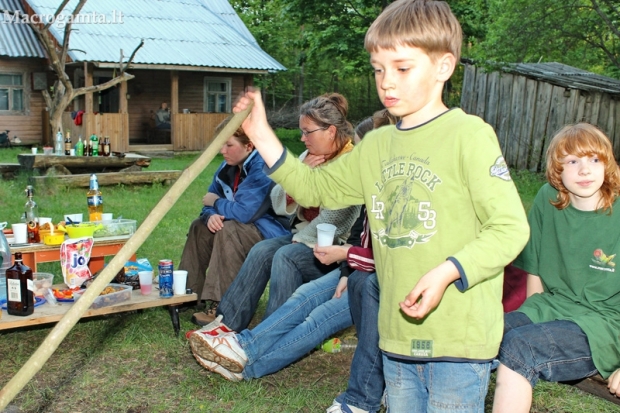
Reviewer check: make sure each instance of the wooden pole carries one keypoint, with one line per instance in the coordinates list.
(62, 328)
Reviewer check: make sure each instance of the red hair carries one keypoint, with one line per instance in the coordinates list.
(582, 139)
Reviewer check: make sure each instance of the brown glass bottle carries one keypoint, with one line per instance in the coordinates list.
(20, 288)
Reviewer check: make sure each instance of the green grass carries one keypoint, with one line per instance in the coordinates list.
(133, 362)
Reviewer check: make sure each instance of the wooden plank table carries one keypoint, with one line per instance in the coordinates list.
(47, 313)
(33, 254)
(83, 163)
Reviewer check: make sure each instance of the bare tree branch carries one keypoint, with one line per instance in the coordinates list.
(132, 56)
(65, 40)
(56, 13)
(96, 88)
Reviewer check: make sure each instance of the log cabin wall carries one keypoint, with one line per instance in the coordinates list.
(526, 112)
(27, 125)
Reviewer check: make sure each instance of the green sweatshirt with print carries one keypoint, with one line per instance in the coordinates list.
(438, 191)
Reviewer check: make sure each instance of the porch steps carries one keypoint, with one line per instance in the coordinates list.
(111, 178)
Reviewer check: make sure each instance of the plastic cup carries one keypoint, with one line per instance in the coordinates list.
(34, 150)
(146, 282)
(107, 216)
(20, 233)
(179, 279)
(43, 221)
(76, 218)
(48, 150)
(72, 152)
(325, 234)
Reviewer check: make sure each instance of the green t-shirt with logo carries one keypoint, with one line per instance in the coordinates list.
(435, 192)
(575, 255)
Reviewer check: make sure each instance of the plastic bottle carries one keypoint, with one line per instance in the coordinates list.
(5, 261)
(59, 146)
(79, 147)
(95, 142)
(335, 345)
(94, 200)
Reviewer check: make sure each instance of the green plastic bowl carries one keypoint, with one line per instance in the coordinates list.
(82, 230)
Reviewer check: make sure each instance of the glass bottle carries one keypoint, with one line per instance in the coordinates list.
(32, 214)
(94, 200)
(88, 150)
(20, 288)
(106, 146)
(95, 143)
(59, 144)
(68, 143)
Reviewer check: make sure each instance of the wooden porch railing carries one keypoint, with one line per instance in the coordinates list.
(194, 131)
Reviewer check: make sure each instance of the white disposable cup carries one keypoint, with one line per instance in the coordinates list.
(72, 152)
(325, 234)
(34, 150)
(43, 221)
(179, 280)
(107, 216)
(20, 233)
(146, 282)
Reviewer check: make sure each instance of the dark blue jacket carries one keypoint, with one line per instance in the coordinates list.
(251, 204)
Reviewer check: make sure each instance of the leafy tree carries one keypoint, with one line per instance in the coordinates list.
(583, 33)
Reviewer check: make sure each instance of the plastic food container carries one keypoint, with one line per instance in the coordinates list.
(42, 281)
(122, 294)
(115, 228)
(85, 229)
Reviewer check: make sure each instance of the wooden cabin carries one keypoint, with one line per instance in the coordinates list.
(528, 103)
(197, 57)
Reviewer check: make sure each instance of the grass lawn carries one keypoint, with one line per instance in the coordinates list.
(133, 362)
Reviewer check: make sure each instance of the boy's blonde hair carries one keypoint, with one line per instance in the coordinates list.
(582, 139)
(426, 24)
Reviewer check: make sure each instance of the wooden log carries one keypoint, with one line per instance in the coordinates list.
(597, 386)
(9, 167)
(36, 362)
(110, 178)
(29, 161)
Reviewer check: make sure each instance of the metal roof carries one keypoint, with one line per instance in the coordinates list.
(566, 76)
(17, 39)
(199, 33)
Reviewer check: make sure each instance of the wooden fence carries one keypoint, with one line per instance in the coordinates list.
(526, 113)
(194, 131)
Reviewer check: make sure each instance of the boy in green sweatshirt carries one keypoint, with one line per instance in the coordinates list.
(444, 214)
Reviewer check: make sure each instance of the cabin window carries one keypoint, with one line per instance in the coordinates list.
(217, 92)
(11, 92)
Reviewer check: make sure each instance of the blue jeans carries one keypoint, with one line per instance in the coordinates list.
(287, 265)
(366, 384)
(307, 318)
(447, 387)
(554, 351)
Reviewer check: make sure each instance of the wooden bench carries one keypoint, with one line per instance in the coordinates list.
(8, 170)
(82, 164)
(111, 178)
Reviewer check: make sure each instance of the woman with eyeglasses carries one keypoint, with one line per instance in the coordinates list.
(287, 262)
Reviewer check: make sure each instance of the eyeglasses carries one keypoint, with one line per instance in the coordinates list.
(304, 133)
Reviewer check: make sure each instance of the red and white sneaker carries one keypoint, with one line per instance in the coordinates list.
(216, 368)
(219, 345)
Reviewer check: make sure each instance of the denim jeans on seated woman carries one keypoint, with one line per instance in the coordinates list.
(288, 265)
(366, 384)
(308, 317)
